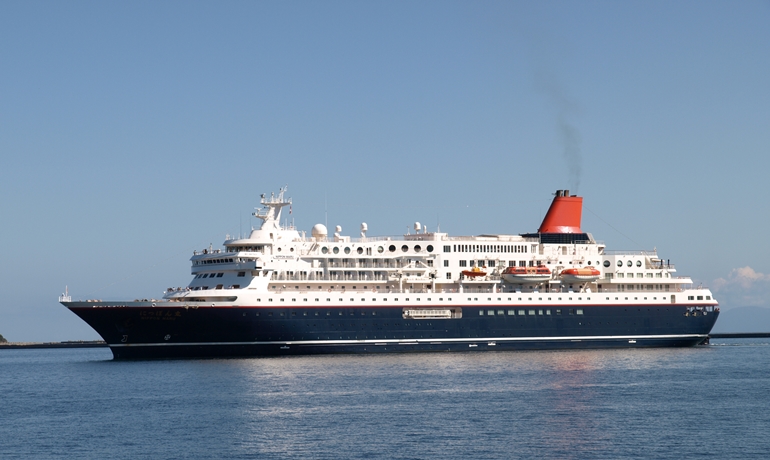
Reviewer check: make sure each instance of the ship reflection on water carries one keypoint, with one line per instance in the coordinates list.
(561, 401)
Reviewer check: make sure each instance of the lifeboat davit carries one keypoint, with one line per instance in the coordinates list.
(475, 272)
(580, 275)
(520, 275)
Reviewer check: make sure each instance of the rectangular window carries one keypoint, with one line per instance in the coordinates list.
(531, 312)
(521, 312)
(463, 263)
(500, 312)
(447, 248)
(446, 263)
(491, 313)
(481, 312)
(511, 312)
(579, 311)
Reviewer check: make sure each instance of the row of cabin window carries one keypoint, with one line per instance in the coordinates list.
(218, 286)
(620, 263)
(638, 275)
(214, 261)
(429, 299)
(328, 313)
(380, 249)
(530, 312)
(642, 287)
(217, 275)
(500, 248)
(700, 297)
(245, 248)
(470, 299)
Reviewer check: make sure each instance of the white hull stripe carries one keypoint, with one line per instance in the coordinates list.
(431, 341)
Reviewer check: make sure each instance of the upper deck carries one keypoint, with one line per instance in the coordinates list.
(279, 257)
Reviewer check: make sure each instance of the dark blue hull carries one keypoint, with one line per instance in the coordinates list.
(146, 332)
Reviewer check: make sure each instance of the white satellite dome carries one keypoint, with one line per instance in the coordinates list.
(319, 231)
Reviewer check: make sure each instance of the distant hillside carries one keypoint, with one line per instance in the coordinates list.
(743, 319)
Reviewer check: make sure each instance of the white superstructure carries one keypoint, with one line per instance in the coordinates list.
(279, 264)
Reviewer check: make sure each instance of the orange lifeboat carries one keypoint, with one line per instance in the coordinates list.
(475, 272)
(520, 275)
(580, 275)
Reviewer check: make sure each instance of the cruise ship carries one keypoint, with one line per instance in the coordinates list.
(283, 292)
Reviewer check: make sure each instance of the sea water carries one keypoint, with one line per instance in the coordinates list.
(705, 402)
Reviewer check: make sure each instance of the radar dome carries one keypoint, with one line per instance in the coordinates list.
(319, 231)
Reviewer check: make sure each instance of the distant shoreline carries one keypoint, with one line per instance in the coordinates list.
(101, 343)
(68, 344)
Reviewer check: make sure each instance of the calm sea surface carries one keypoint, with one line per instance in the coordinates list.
(707, 402)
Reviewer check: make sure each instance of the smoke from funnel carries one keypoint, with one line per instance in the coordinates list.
(569, 135)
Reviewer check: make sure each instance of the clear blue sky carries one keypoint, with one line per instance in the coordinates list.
(132, 133)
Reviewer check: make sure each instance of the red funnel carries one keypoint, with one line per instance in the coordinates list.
(564, 214)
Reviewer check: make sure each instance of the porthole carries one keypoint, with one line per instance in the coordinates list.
(392, 248)
(380, 249)
(404, 248)
(347, 250)
(279, 249)
(606, 263)
(589, 262)
(360, 250)
(620, 263)
(638, 263)
(417, 248)
(336, 250)
(630, 263)
(429, 248)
